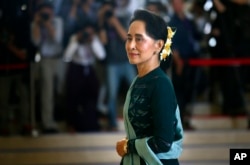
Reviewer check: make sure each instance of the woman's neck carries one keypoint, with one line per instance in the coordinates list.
(145, 69)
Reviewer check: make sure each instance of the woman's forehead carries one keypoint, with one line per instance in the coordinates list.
(137, 27)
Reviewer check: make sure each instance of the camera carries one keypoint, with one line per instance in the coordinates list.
(45, 16)
(108, 14)
(84, 37)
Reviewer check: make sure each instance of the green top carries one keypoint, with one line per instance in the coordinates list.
(152, 120)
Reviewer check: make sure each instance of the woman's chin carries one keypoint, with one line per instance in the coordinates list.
(133, 62)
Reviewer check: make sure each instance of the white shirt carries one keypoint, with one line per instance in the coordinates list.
(84, 54)
(50, 47)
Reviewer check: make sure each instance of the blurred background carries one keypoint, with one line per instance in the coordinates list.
(58, 99)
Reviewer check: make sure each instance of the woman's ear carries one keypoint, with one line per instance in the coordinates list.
(159, 45)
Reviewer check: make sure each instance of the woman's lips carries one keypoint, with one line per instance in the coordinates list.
(133, 54)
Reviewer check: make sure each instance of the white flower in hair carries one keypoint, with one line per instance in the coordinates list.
(167, 50)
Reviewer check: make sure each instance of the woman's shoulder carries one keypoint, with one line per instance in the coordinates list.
(160, 76)
(160, 80)
(154, 77)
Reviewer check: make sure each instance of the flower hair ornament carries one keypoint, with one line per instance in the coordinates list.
(167, 50)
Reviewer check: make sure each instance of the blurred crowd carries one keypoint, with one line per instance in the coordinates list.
(65, 60)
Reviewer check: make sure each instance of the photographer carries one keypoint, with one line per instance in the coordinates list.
(47, 34)
(14, 96)
(82, 83)
(113, 20)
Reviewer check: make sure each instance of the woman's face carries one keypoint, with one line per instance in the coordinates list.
(140, 47)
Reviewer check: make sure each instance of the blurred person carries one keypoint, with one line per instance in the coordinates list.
(158, 7)
(154, 133)
(241, 10)
(201, 20)
(82, 81)
(241, 37)
(14, 96)
(227, 77)
(47, 34)
(102, 95)
(113, 35)
(228, 40)
(185, 47)
(75, 12)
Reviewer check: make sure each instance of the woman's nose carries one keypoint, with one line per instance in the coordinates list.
(131, 45)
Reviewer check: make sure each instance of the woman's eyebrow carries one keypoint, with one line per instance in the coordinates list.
(136, 35)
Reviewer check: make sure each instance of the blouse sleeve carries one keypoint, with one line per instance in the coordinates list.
(163, 107)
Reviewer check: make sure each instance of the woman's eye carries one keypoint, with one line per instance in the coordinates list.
(129, 39)
(138, 39)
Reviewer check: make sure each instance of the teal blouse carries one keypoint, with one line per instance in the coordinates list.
(152, 121)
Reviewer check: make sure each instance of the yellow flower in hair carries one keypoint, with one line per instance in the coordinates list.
(166, 50)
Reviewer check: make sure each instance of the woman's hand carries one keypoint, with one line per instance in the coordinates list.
(121, 147)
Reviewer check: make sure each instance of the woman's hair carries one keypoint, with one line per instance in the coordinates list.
(155, 25)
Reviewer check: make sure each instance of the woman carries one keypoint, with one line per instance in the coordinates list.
(151, 114)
